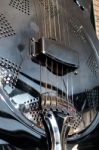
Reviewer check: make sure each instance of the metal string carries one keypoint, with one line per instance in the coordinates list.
(66, 5)
(59, 29)
(72, 90)
(54, 18)
(51, 81)
(64, 35)
(40, 79)
(46, 78)
(57, 85)
(44, 18)
(68, 38)
(62, 83)
(50, 28)
(37, 16)
(67, 85)
(64, 22)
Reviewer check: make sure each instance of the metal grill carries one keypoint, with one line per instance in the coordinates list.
(21, 5)
(92, 64)
(6, 29)
(12, 71)
(30, 109)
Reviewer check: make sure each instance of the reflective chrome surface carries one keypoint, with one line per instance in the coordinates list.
(54, 131)
(35, 88)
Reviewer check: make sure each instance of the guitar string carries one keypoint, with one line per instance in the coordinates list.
(54, 30)
(44, 18)
(67, 69)
(46, 77)
(40, 79)
(57, 65)
(69, 46)
(48, 35)
(51, 60)
(53, 9)
(50, 28)
(68, 38)
(50, 32)
(72, 90)
(62, 83)
(36, 15)
(58, 20)
(72, 83)
(57, 84)
(51, 81)
(60, 38)
(65, 4)
(63, 22)
(47, 18)
(67, 85)
(66, 32)
(44, 32)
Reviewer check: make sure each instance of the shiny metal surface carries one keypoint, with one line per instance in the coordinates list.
(61, 55)
(33, 89)
(57, 137)
(54, 131)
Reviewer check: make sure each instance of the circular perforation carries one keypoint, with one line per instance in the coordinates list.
(6, 29)
(12, 71)
(92, 64)
(21, 5)
(32, 106)
(77, 121)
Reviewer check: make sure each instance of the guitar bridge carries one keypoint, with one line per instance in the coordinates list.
(66, 59)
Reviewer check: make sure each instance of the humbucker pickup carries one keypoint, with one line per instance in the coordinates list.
(65, 58)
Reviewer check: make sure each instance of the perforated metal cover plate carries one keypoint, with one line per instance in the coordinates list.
(21, 5)
(5, 27)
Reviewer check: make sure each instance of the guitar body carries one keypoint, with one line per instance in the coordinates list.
(36, 70)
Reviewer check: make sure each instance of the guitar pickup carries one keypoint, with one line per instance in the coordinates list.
(65, 58)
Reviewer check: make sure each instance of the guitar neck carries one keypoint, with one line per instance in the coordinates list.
(96, 15)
